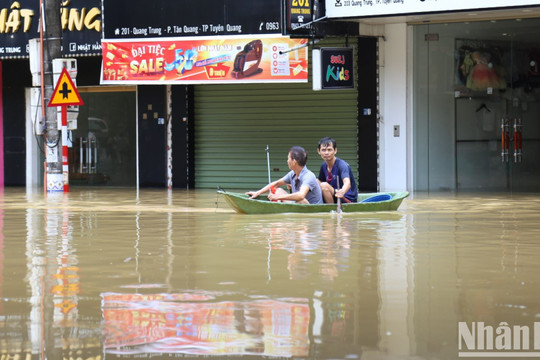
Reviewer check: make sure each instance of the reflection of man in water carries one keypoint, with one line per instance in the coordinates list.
(248, 320)
(333, 242)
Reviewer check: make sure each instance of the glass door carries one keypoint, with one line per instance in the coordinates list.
(103, 144)
(497, 109)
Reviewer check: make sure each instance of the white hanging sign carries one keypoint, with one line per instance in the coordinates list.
(360, 8)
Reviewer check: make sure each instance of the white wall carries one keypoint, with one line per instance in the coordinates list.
(393, 108)
(33, 174)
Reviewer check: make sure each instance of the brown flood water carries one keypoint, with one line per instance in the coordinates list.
(112, 274)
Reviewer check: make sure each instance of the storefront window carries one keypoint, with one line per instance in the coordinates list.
(477, 106)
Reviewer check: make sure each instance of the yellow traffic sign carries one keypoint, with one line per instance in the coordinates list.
(65, 93)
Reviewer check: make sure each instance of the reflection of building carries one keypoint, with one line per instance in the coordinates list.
(194, 325)
(51, 324)
(338, 256)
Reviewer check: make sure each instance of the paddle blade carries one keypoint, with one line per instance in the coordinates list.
(378, 198)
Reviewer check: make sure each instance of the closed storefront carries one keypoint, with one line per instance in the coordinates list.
(234, 124)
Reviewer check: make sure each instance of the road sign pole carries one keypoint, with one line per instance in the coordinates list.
(65, 93)
(65, 162)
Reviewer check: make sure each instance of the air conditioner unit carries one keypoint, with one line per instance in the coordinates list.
(34, 49)
(38, 121)
(69, 64)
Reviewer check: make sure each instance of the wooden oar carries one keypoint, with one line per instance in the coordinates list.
(268, 163)
(272, 189)
(338, 199)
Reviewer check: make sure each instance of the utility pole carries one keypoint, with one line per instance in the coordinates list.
(52, 49)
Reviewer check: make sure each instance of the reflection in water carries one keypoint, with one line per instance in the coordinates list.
(175, 324)
(324, 251)
(104, 274)
(57, 328)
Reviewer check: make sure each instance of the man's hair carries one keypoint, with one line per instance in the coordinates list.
(326, 141)
(299, 154)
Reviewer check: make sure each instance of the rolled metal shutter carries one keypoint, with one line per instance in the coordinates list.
(235, 123)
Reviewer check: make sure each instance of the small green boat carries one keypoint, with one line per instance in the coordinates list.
(241, 203)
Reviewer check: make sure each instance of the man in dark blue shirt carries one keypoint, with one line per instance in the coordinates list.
(336, 176)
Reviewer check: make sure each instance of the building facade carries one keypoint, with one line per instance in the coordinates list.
(445, 99)
(459, 82)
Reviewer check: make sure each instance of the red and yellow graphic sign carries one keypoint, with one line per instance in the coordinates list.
(205, 60)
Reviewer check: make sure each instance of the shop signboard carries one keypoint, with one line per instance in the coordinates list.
(80, 19)
(131, 19)
(299, 16)
(333, 69)
(219, 59)
(360, 8)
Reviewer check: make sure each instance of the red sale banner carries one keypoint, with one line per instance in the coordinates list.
(205, 60)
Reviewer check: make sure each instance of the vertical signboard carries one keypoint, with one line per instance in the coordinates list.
(299, 14)
(333, 68)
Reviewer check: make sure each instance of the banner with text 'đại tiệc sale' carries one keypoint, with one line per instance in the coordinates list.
(205, 60)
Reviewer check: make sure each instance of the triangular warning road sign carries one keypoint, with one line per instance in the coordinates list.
(65, 93)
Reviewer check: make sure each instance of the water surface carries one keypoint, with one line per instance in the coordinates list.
(116, 274)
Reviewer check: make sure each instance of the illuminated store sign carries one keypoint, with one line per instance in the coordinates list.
(359, 8)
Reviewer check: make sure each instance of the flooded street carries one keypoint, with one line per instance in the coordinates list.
(116, 274)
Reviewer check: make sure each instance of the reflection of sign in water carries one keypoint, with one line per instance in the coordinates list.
(191, 324)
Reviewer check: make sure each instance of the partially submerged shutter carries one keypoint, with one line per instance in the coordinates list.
(235, 123)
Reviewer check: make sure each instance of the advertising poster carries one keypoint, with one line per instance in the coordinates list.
(205, 60)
